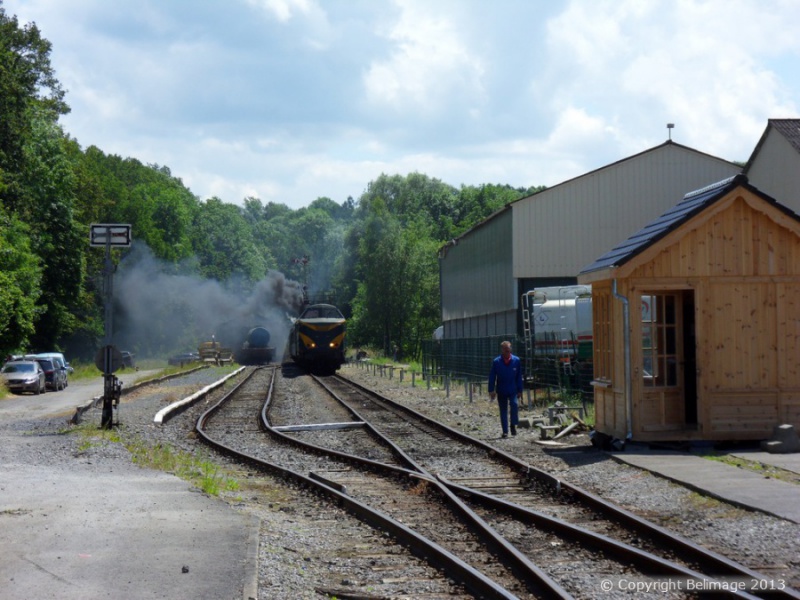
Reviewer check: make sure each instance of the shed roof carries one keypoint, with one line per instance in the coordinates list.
(667, 144)
(692, 204)
(788, 128)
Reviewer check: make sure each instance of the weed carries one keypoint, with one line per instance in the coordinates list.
(200, 471)
(767, 471)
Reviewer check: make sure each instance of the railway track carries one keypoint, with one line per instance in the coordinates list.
(232, 427)
(537, 513)
(499, 527)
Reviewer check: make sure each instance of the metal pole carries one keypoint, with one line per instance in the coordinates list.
(112, 387)
(109, 381)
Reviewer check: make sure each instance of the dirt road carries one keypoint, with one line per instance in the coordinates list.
(29, 406)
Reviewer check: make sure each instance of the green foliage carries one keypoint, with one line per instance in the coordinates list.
(224, 243)
(56, 237)
(20, 280)
(27, 81)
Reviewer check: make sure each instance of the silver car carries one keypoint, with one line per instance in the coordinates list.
(24, 376)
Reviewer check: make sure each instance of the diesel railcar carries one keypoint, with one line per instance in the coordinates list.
(317, 339)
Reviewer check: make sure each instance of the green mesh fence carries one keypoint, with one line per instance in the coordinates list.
(548, 377)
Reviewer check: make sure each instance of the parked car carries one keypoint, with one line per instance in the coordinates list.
(55, 374)
(24, 376)
(57, 355)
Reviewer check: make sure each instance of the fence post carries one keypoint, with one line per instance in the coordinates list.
(447, 385)
(413, 379)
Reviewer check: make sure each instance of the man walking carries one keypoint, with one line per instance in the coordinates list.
(506, 378)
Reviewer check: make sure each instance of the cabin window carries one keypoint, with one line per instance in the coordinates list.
(659, 340)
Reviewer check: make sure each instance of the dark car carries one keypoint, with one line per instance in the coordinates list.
(24, 376)
(55, 375)
(65, 369)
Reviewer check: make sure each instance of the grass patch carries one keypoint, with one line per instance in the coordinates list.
(91, 435)
(200, 471)
(768, 471)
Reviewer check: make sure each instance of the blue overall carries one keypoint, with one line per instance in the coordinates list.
(506, 379)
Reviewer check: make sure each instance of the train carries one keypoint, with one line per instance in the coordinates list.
(247, 339)
(255, 350)
(558, 321)
(317, 339)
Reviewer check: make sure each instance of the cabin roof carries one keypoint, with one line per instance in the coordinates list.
(692, 204)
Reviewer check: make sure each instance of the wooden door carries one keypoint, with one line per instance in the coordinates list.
(663, 360)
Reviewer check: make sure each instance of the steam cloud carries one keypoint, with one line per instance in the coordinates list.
(159, 311)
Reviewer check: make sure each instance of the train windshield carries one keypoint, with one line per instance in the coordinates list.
(321, 312)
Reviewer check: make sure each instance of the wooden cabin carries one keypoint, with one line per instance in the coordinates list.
(697, 321)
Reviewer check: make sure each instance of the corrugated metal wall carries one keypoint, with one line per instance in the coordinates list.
(776, 171)
(554, 234)
(476, 273)
(559, 231)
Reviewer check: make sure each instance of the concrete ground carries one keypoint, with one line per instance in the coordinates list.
(738, 486)
(79, 528)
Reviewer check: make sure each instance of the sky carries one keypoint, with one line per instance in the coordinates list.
(292, 100)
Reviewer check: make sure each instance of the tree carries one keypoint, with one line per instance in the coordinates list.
(397, 298)
(413, 197)
(60, 243)
(224, 244)
(26, 81)
(20, 276)
(376, 314)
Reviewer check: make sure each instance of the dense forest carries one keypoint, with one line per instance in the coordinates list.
(193, 260)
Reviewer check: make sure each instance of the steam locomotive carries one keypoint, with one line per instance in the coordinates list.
(317, 339)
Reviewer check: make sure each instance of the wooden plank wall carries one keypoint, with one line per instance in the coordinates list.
(744, 266)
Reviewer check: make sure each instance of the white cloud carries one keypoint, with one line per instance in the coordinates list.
(289, 100)
(283, 10)
(429, 62)
(702, 65)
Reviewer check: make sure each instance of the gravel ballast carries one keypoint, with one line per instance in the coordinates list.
(295, 559)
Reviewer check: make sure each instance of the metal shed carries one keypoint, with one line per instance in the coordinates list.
(697, 321)
(774, 166)
(545, 239)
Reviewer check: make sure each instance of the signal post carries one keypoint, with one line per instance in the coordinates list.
(109, 358)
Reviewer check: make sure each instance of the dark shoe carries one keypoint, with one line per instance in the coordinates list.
(513, 430)
(505, 435)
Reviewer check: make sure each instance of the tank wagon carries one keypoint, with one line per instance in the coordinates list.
(248, 339)
(558, 321)
(317, 339)
(255, 350)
